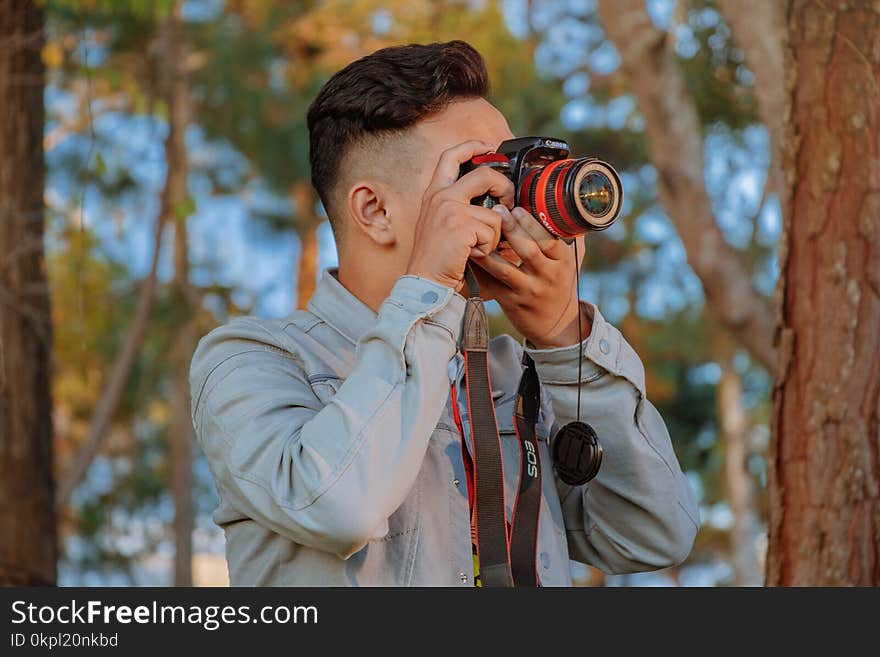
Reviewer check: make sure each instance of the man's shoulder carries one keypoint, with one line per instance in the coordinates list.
(248, 334)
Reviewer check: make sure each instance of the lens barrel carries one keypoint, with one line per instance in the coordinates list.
(574, 196)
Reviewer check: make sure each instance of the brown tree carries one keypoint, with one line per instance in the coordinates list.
(307, 222)
(28, 549)
(675, 137)
(180, 430)
(739, 488)
(825, 451)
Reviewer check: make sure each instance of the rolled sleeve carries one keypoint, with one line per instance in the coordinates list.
(327, 476)
(639, 513)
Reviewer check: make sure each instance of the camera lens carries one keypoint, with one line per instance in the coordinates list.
(573, 196)
(596, 193)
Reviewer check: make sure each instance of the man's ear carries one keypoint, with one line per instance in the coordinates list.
(368, 209)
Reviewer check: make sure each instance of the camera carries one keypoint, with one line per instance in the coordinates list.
(569, 196)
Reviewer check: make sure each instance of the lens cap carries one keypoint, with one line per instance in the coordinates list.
(577, 453)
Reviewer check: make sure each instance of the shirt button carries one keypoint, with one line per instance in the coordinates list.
(429, 297)
(455, 482)
(463, 578)
(604, 347)
(545, 560)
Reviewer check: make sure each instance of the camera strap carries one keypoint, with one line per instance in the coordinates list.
(506, 555)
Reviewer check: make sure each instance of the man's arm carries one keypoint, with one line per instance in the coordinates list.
(639, 512)
(327, 477)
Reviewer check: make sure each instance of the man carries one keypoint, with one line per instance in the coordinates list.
(334, 436)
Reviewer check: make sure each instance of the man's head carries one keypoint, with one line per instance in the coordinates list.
(377, 129)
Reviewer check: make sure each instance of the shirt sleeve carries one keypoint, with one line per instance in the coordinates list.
(639, 513)
(328, 477)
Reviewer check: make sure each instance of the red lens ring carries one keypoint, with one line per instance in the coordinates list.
(569, 226)
(541, 212)
(524, 187)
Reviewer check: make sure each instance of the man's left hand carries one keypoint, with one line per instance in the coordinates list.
(534, 281)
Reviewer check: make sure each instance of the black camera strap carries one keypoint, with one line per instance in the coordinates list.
(506, 556)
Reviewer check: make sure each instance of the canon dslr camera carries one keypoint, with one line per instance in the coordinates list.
(569, 196)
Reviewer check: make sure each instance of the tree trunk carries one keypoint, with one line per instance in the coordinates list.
(675, 138)
(307, 223)
(28, 550)
(180, 430)
(739, 487)
(825, 449)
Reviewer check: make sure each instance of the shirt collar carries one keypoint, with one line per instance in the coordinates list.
(342, 310)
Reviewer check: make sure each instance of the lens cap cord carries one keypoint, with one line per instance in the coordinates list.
(577, 454)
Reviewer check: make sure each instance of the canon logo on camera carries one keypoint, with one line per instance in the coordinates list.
(550, 143)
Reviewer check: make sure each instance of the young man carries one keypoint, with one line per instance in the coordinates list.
(332, 435)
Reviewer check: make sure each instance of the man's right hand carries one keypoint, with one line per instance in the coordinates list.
(450, 230)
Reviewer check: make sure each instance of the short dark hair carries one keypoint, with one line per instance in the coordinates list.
(387, 91)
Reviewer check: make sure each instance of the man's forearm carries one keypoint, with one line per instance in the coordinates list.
(639, 512)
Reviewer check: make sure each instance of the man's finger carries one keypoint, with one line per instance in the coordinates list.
(446, 171)
(521, 241)
(483, 180)
(487, 228)
(502, 271)
(550, 246)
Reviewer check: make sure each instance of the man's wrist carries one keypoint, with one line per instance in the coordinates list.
(568, 336)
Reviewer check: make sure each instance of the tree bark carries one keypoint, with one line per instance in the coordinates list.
(675, 138)
(28, 550)
(739, 487)
(825, 448)
(758, 28)
(307, 223)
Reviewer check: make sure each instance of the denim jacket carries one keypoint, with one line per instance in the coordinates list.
(338, 462)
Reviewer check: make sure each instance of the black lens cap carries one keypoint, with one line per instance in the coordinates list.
(577, 453)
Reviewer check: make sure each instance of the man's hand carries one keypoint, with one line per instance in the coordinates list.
(540, 295)
(450, 230)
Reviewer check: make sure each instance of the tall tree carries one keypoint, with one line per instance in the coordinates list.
(824, 473)
(674, 131)
(739, 488)
(180, 438)
(28, 549)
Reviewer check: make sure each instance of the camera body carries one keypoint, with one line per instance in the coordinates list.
(569, 196)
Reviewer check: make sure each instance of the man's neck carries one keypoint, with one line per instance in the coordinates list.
(364, 279)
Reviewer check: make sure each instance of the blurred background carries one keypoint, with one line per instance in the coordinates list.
(177, 196)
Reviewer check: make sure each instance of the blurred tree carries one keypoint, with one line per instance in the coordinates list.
(758, 28)
(253, 89)
(675, 133)
(179, 205)
(824, 476)
(28, 549)
(739, 487)
(124, 73)
(128, 31)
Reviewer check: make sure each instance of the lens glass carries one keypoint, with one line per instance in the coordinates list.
(596, 193)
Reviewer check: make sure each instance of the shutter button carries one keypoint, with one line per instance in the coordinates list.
(604, 347)
(429, 297)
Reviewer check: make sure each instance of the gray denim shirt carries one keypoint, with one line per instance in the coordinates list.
(337, 459)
